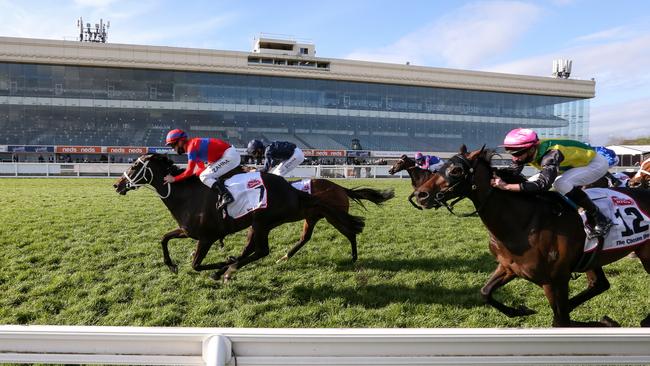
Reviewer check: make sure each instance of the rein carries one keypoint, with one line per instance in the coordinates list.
(140, 175)
(440, 196)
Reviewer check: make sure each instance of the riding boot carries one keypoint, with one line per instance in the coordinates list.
(599, 223)
(614, 182)
(226, 197)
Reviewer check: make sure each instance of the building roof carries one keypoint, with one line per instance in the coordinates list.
(28, 50)
(629, 149)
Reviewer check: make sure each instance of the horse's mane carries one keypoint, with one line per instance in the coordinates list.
(507, 175)
(173, 168)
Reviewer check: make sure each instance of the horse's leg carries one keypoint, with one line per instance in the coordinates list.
(353, 241)
(174, 234)
(261, 245)
(202, 248)
(307, 230)
(643, 253)
(558, 297)
(597, 284)
(248, 250)
(500, 277)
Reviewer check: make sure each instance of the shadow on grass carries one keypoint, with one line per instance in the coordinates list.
(381, 295)
(478, 262)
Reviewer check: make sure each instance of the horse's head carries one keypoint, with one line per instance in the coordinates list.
(642, 177)
(147, 169)
(454, 179)
(403, 163)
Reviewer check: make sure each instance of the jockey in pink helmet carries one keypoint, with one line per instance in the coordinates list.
(565, 165)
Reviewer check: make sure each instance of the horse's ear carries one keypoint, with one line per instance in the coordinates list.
(477, 153)
(403, 156)
(463, 149)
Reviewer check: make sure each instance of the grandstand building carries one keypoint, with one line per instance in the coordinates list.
(93, 94)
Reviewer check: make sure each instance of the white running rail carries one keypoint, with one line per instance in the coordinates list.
(341, 347)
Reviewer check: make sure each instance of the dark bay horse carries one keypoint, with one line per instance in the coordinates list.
(418, 175)
(642, 177)
(193, 206)
(536, 237)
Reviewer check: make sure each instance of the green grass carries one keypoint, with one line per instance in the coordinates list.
(73, 252)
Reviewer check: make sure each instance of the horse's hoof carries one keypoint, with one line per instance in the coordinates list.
(521, 311)
(218, 273)
(283, 259)
(609, 322)
(226, 278)
(525, 311)
(173, 268)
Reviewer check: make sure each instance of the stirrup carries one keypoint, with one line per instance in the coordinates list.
(224, 200)
(602, 231)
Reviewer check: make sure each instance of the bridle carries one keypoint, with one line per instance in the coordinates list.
(466, 175)
(140, 179)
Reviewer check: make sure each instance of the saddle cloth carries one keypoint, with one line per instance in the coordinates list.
(302, 185)
(631, 225)
(249, 193)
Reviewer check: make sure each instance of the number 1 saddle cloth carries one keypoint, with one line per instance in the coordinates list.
(249, 193)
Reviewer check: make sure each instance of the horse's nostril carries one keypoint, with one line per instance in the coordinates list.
(422, 195)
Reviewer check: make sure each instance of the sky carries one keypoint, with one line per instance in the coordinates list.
(607, 40)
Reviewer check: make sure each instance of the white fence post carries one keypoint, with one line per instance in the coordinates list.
(217, 350)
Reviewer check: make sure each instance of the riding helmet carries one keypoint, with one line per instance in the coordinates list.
(520, 138)
(253, 146)
(174, 136)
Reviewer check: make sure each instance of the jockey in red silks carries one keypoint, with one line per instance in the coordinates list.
(209, 158)
(565, 165)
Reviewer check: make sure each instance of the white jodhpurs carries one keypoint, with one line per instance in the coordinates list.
(290, 164)
(230, 160)
(581, 176)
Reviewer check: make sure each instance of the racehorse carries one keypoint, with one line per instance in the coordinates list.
(536, 237)
(418, 175)
(337, 197)
(193, 206)
(642, 177)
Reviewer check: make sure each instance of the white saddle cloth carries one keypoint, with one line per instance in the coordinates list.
(302, 185)
(249, 193)
(631, 225)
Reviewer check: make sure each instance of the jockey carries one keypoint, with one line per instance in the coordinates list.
(208, 158)
(428, 162)
(578, 163)
(286, 155)
(616, 179)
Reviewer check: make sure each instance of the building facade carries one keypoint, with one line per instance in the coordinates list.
(72, 93)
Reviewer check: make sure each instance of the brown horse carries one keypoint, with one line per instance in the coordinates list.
(418, 175)
(332, 194)
(337, 197)
(536, 237)
(642, 177)
(193, 206)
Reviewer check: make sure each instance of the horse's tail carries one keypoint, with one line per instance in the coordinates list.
(347, 224)
(375, 196)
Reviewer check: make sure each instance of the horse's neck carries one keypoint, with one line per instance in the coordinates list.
(502, 212)
(418, 176)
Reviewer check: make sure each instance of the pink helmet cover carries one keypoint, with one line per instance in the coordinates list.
(520, 138)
